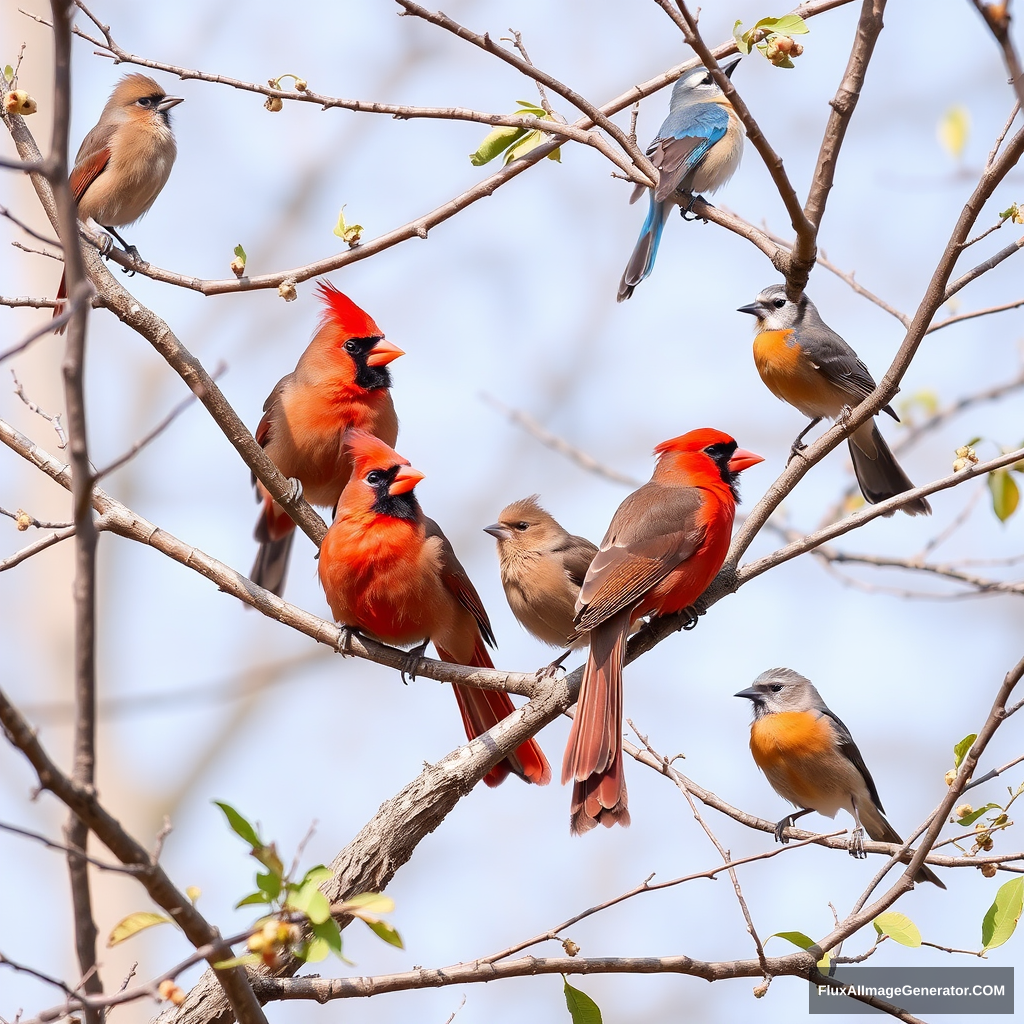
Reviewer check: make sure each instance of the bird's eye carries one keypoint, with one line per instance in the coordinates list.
(520, 526)
(706, 80)
(775, 687)
(351, 346)
(778, 303)
(144, 101)
(374, 477)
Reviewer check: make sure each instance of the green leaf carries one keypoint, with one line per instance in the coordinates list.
(531, 140)
(309, 900)
(316, 875)
(531, 108)
(267, 856)
(330, 933)
(315, 951)
(899, 928)
(742, 39)
(8, 72)
(387, 932)
(240, 826)
(1005, 494)
(253, 898)
(953, 130)
(582, 1008)
(970, 819)
(240, 252)
(797, 938)
(495, 142)
(269, 883)
(1003, 915)
(128, 926)
(960, 750)
(249, 960)
(791, 25)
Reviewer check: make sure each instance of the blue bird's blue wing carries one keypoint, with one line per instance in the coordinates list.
(683, 142)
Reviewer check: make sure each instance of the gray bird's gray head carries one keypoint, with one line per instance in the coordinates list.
(697, 86)
(776, 312)
(782, 689)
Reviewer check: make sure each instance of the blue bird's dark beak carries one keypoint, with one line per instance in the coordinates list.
(730, 67)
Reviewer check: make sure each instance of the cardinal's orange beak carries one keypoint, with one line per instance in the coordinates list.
(405, 480)
(383, 353)
(742, 459)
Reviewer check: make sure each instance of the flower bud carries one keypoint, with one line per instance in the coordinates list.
(19, 102)
(274, 104)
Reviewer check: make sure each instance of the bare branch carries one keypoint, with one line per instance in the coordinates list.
(41, 544)
(62, 440)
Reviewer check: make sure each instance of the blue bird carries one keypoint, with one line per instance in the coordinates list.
(698, 149)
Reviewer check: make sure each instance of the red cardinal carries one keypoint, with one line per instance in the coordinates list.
(341, 381)
(389, 570)
(665, 545)
(125, 160)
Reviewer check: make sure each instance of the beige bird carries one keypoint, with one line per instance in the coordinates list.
(125, 161)
(542, 569)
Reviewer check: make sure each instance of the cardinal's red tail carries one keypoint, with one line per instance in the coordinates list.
(483, 709)
(593, 755)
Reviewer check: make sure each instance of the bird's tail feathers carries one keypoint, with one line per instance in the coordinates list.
(483, 709)
(641, 261)
(593, 755)
(881, 831)
(881, 476)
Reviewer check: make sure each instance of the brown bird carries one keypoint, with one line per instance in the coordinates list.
(389, 571)
(125, 160)
(542, 570)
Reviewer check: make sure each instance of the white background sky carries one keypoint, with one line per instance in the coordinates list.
(515, 298)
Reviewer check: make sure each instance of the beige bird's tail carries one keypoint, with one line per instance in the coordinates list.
(879, 474)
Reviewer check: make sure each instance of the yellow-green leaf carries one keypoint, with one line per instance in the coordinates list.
(742, 38)
(960, 750)
(316, 951)
(1005, 493)
(249, 960)
(790, 24)
(368, 902)
(898, 927)
(387, 932)
(348, 233)
(1003, 915)
(954, 129)
(797, 938)
(133, 923)
(582, 1008)
(495, 142)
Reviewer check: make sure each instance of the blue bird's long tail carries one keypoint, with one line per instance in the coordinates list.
(641, 262)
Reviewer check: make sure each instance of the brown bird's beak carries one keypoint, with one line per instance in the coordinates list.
(742, 459)
(169, 101)
(405, 480)
(754, 309)
(383, 353)
(498, 532)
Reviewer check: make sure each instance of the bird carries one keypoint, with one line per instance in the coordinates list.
(810, 759)
(125, 160)
(665, 545)
(805, 363)
(542, 570)
(342, 380)
(697, 149)
(390, 572)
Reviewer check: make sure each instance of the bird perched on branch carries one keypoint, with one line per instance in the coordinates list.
(542, 570)
(389, 571)
(341, 380)
(805, 363)
(124, 162)
(810, 759)
(665, 545)
(697, 149)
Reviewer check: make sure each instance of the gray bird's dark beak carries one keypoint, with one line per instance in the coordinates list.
(730, 67)
(172, 101)
(498, 532)
(751, 693)
(754, 309)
